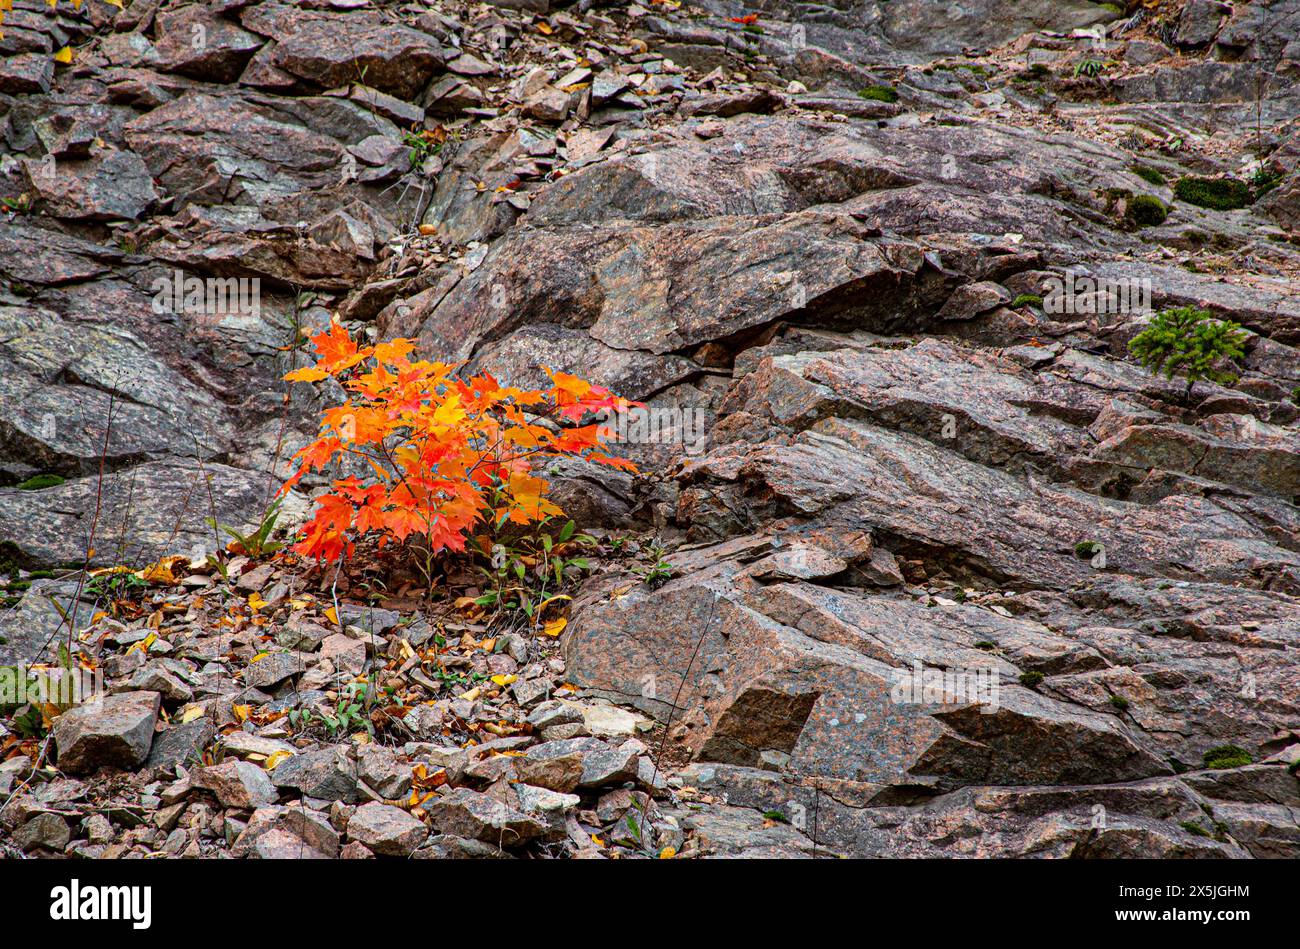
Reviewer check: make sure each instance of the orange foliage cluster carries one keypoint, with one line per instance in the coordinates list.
(447, 453)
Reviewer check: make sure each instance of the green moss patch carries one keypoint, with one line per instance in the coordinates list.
(37, 482)
(1146, 210)
(1227, 756)
(879, 94)
(1217, 194)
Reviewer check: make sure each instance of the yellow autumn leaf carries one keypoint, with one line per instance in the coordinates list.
(332, 615)
(144, 644)
(241, 712)
(504, 680)
(255, 602)
(667, 853)
(64, 55)
(597, 840)
(275, 758)
(164, 571)
(114, 3)
(191, 713)
(555, 627)
(471, 695)
(258, 658)
(110, 571)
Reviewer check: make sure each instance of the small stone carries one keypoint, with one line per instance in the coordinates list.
(116, 731)
(272, 669)
(238, 784)
(322, 773)
(387, 830)
(292, 833)
(47, 831)
(181, 744)
(466, 813)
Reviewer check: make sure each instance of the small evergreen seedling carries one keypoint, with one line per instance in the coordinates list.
(1189, 342)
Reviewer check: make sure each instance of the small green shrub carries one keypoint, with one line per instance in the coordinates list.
(1030, 679)
(1192, 827)
(1189, 342)
(37, 482)
(1217, 194)
(1086, 548)
(1027, 299)
(1148, 174)
(1264, 180)
(1227, 756)
(879, 93)
(1145, 210)
(1119, 702)
(986, 644)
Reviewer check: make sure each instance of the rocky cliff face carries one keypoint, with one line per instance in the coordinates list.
(954, 574)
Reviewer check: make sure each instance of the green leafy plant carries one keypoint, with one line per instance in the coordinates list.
(116, 585)
(351, 710)
(657, 574)
(1189, 342)
(1264, 180)
(527, 572)
(258, 543)
(1088, 68)
(1217, 194)
(421, 145)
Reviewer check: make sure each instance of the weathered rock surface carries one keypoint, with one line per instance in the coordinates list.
(948, 574)
(116, 732)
